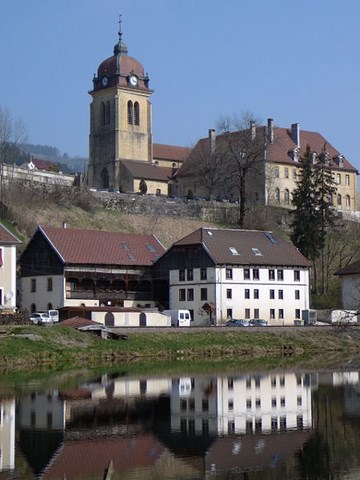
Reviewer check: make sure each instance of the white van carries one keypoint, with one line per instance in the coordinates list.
(179, 318)
(52, 314)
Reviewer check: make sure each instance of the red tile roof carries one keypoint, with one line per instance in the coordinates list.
(280, 151)
(273, 250)
(78, 322)
(148, 171)
(6, 237)
(89, 458)
(96, 247)
(170, 152)
(43, 164)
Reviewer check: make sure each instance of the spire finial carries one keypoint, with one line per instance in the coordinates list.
(120, 22)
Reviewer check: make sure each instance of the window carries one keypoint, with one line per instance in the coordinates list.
(273, 402)
(297, 294)
(280, 274)
(256, 252)
(247, 293)
(281, 313)
(255, 274)
(248, 403)
(231, 405)
(205, 405)
(229, 274)
(338, 178)
(256, 294)
(299, 401)
(297, 275)
(33, 285)
(271, 274)
(49, 284)
(182, 295)
(274, 424)
(230, 383)
(347, 201)
(272, 313)
(282, 401)
(190, 294)
(286, 196)
(248, 382)
(228, 293)
(229, 313)
(273, 381)
(234, 251)
(203, 274)
(294, 173)
(339, 200)
(246, 273)
(282, 381)
(256, 313)
(107, 113)
(247, 313)
(347, 180)
(277, 195)
(299, 422)
(281, 294)
(257, 403)
(272, 294)
(181, 275)
(297, 313)
(102, 113)
(203, 294)
(286, 172)
(136, 113)
(130, 112)
(190, 275)
(276, 172)
(282, 424)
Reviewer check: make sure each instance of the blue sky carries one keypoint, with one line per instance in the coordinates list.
(293, 61)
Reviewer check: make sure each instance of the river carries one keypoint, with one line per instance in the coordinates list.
(262, 424)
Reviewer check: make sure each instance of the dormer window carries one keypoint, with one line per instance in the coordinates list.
(340, 160)
(256, 252)
(313, 157)
(234, 251)
(296, 155)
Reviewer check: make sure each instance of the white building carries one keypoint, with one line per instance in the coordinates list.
(221, 273)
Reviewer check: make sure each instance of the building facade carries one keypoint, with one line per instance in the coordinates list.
(219, 274)
(273, 178)
(63, 267)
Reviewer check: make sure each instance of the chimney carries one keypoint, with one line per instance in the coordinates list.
(212, 139)
(253, 129)
(270, 130)
(295, 134)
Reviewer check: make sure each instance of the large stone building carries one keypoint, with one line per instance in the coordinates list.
(121, 149)
(272, 179)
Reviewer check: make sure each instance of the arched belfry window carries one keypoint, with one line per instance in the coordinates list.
(107, 113)
(136, 113)
(102, 113)
(130, 112)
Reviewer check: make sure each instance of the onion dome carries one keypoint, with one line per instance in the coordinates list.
(121, 70)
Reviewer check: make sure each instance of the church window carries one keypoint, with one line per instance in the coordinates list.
(130, 112)
(102, 113)
(136, 113)
(107, 113)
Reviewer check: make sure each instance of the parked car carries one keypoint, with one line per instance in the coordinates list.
(234, 322)
(258, 322)
(39, 318)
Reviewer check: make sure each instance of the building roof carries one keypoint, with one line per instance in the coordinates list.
(170, 152)
(279, 151)
(245, 247)
(43, 164)
(96, 247)
(148, 171)
(351, 269)
(79, 322)
(6, 237)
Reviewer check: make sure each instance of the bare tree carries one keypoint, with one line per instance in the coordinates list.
(12, 134)
(241, 145)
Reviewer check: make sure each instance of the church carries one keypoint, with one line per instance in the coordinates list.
(122, 153)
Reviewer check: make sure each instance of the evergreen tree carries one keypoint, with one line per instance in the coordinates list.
(312, 199)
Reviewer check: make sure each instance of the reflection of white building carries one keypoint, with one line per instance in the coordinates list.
(127, 387)
(243, 405)
(7, 434)
(43, 410)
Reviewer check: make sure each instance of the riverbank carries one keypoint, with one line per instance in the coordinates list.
(58, 347)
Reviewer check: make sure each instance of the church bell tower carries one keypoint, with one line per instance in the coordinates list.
(120, 117)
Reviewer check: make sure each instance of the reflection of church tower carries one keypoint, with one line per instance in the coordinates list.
(120, 118)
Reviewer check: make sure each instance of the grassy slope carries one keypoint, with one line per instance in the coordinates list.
(62, 347)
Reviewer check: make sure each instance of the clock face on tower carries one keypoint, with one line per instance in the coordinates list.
(104, 81)
(133, 80)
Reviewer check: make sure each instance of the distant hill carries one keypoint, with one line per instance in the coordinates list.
(66, 163)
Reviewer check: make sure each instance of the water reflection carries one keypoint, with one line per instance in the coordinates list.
(283, 425)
